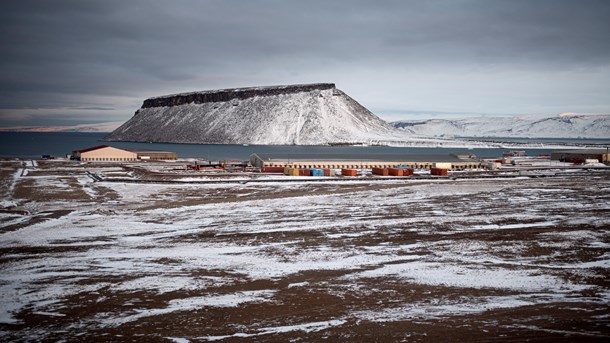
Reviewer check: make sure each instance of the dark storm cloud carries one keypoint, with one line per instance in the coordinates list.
(113, 54)
(537, 32)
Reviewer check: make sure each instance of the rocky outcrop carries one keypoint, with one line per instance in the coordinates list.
(310, 114)
(230, 94)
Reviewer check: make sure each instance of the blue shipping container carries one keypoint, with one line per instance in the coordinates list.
(316, 172)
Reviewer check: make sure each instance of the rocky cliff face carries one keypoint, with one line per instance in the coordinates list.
(310, 114)
(231, 94)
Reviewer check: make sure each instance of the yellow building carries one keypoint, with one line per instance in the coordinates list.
(104, 153)
(110, 154)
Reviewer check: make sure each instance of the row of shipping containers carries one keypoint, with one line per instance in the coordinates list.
(392, 171)
(398, 171)
(308, 172)
(318, 172)
(401, 171)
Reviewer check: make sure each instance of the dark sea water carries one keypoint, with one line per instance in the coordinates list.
(60, 144)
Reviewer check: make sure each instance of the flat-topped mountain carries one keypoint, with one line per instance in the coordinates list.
(308, 114)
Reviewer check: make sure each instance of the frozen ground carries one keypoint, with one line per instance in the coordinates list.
(413, 260)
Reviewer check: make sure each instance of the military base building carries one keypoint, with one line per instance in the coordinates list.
(581, 155)
(366, 161)
(104, 153)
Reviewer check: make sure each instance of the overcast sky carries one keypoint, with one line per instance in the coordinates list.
(71, 62)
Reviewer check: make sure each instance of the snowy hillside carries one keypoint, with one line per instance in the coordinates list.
(300, 114)
(563, 126)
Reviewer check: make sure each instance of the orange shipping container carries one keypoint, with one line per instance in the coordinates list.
(395, 171)
(407, 172)
(349, 172)
(380, 171)
(326, 172)
(438, 171)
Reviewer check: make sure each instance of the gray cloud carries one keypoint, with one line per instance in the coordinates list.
(392, 56)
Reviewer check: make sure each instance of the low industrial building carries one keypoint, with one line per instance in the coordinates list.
(154, 154)
(363, 161)
(580, 156)
(107, 153)
(104, 153)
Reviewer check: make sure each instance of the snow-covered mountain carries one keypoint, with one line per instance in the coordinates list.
(317, 114)
(309, 114)
(567, 125)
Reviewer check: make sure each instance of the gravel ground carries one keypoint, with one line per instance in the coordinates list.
(510, 259)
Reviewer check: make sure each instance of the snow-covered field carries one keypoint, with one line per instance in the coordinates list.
(414, 260)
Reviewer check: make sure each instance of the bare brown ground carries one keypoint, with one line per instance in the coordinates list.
(326, 294)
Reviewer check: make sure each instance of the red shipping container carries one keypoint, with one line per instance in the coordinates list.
(380, 171)
(438, 171)
(395, 171)
(349, 172)
(326, 172)
(304, 172)
(272, 169)
(407, 172)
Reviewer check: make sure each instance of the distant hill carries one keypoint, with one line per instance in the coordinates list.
(311, 114)
(570, 125)
(98, 127)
